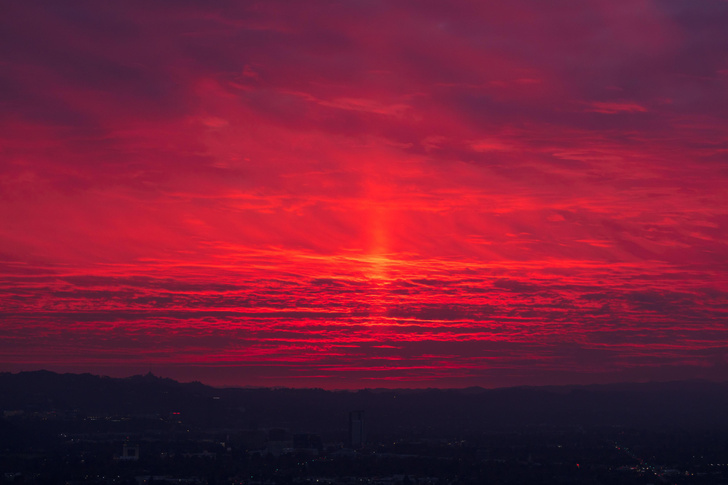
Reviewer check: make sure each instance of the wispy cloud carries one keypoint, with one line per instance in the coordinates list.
(374, 192)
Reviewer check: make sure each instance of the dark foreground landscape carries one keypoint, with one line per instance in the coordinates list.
(67, 429)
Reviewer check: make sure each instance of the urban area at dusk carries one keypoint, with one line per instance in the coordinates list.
(493, 233)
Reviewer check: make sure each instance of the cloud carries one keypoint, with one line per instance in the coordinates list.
(505, 186)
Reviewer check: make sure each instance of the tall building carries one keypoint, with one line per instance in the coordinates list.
(356, 429)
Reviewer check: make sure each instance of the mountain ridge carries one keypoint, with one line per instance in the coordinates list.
(426, 412)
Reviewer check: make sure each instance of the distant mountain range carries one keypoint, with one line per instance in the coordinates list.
(403, 412)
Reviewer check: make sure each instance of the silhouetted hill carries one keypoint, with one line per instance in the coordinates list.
(404, 413)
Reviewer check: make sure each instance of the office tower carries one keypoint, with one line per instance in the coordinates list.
(356, 429)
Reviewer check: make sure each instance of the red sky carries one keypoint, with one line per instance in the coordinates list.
(365, 193)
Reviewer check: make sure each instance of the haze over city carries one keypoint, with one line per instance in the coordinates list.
(361, 194)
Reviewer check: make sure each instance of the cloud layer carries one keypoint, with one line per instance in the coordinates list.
(357, 194)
